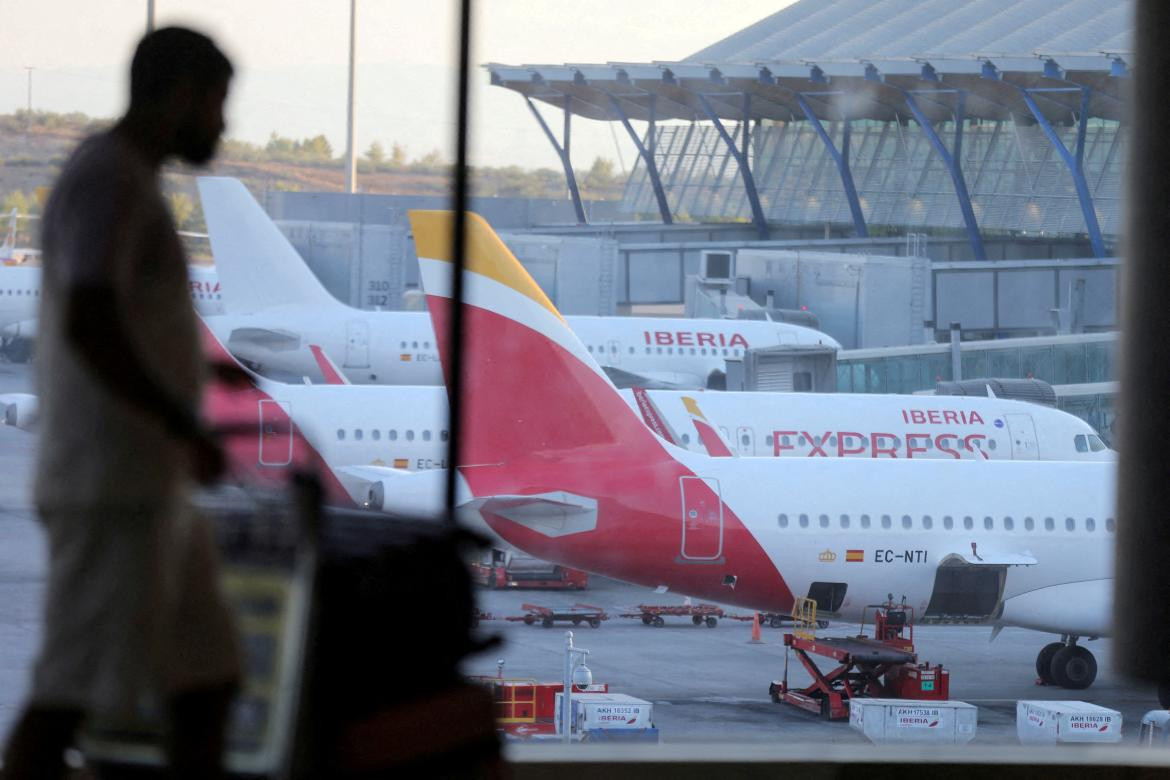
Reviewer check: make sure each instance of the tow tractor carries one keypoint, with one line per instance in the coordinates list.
(505, 571)
(884, 665)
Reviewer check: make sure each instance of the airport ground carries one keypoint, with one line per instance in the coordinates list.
(707, 685)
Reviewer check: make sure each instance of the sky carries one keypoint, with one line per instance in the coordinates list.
(291, 55)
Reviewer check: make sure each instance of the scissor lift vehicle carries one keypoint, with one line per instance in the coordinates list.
(655, 615)
(885, 665)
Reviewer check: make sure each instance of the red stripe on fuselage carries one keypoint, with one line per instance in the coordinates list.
(537, 419)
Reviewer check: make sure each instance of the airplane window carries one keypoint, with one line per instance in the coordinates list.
(404, 345)
(1090, 524)
(948, 522)
(1008, 524)
(393, 435)
(647, 350)
(414, 345)
(692, 350)
(590, 347)
(906, 521)
(443, 436)
(988, 523)
(844, 521)
(927, 522)
(377, 434)
(410, 435)
(768, 440)
(357, 434)
(786, 441)
(968, 523)
(1029, 524)
(631, 350)
(426, 345)
(885, 521)
(341, 434)
(1049, 524)
(1110, 525)
(864, 442)
(745, 440)
(833, 441)
(801, 441)
(824, 520)
(703, 351)
(929, 444)
(725, 351)
(686, 438)
(782, 521)
(865, 521)
(897, 443)
(991, 445)
(1095, 443)
(1070, 524)
(1081, 443)
(804, 521)
(426, 435)
(660, 350)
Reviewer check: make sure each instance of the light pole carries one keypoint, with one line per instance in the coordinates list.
(28, 108)
(350, 162)
(149, 16)
(586, 678)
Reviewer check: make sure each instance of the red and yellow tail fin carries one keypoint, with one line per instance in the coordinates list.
(710, 437)
(529, 385)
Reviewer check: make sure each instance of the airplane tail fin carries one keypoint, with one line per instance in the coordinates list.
(329, 369)
(710, 437)
(258, 267)
(529, 385)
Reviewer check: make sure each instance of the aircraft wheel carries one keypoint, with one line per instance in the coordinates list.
(697, 619)
(594, 623)
(1044, 662)
(712, 622)
(1074, 667)
(1164, 694)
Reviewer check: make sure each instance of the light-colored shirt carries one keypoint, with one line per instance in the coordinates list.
(106, 223)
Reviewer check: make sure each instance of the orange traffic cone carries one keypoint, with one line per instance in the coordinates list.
(755, 640)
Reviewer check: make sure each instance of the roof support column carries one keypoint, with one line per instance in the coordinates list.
(647, 157)
(562, 151)
(952, 160)
(741, 158)
(841, 158)
(1075, 163)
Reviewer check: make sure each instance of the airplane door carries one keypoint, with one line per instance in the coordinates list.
(745, 441)
(615, 353)
(276, 441)
(1022, 431)
(702, 520)
(357, 344)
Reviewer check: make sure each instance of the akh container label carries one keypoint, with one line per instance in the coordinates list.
(917, 717)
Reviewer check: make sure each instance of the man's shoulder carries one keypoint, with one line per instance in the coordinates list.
(102, 159)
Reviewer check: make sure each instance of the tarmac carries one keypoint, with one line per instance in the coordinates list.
(707, 685)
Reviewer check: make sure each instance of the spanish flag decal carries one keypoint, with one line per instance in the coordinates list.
(404, 357)
(855, 556)
(401, 463)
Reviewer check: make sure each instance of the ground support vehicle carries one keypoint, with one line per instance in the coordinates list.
(882, 666)
(547, 616)
(509, 572)
(655, 615)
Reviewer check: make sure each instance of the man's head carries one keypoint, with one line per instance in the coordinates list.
(179, 79)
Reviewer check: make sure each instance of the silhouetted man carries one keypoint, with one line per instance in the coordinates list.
(132, 592)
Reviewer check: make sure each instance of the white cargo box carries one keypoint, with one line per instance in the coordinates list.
(1066, 721)
(906, 720)
(607, 711)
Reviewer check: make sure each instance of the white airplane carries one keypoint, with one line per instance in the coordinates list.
(275, 306)
(20, 293)
(556, 463)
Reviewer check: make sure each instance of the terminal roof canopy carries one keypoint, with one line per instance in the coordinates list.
(858, 59)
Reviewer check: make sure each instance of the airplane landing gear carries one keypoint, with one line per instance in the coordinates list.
(1067, 664)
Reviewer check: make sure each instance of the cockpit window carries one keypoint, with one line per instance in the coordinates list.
(1095, 443)
(1081, 442)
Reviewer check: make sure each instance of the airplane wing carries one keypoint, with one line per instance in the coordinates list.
(267, 339)
(651, 380)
